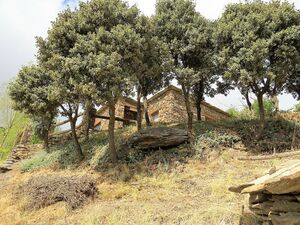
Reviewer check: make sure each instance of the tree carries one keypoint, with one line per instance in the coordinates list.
(293, 84)
(109, 44)
(30, 95)
(70, 86)
(155, 66)
(185, 32)
(251, 47)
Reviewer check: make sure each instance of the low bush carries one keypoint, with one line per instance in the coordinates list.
(297, 107)
(40, 160)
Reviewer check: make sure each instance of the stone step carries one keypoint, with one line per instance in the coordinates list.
(6, 166)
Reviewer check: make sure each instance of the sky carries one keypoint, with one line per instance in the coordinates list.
(21, 21)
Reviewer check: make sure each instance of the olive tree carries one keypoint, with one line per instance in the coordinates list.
(184, 30)
(70, 86)
(154, 72)
(30, 93)
(110, 46)
(251, 46)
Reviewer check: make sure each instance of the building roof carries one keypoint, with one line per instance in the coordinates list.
(174, 88)
(163, 92)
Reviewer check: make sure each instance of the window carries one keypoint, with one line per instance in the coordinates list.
(155, 116)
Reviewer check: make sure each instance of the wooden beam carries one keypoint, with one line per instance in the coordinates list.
(66, 121)
(66, 131)
(274, 156)
(117, 118)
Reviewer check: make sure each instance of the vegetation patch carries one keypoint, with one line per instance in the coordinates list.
(279, 135)
(9, 136)
(43, 191)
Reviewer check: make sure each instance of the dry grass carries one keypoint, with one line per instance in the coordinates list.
(183, 193)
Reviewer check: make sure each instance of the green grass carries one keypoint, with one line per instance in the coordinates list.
(8, 137)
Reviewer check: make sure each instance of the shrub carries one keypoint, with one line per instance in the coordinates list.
(40, 160)
(268, 107)
(297, 107)
(233, 112)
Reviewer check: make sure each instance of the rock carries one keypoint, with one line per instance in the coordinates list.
(161, 137)
(286, 219)
(275, 196)
(4, 169)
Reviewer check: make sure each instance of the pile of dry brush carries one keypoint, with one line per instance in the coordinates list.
(43, 191)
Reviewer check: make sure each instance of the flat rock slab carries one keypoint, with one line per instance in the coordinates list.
(283, 180)
(161, 137)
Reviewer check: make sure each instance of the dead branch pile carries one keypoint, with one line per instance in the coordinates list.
(275, 197)
(43, 191)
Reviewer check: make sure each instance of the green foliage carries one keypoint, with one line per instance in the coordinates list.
(30, 93)
(297, 107)
(39, 161)
(188, 36)
(233, 112)
(268, 107)
(9, 136)
(35, 139)
(258, 45)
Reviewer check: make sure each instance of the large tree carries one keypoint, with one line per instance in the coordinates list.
(251, 47)
(184, 30)
(30, 93)
(109, 44)
(70, 87)
(154, 72)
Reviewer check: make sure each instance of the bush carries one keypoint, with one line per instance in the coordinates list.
(269, 107)
(233, 112)
(63, 157)
(297, 107)
(40, 160)
(34, 139)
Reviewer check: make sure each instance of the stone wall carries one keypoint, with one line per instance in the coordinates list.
(171, 109)
(120, 105)
(167, 106)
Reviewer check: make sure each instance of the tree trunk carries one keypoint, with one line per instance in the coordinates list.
(261, 109)
(249, 104)
(88, 118)
(139, 111)
(111, 133)
(148, 123)
(188, 109)
(199, 96)
(46, 141)
(76, 141)
(198, 107)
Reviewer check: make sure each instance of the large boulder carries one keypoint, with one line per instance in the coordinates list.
(161, 137)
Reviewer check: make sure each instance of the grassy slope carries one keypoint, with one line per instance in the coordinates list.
(164, 187)
(19, 123)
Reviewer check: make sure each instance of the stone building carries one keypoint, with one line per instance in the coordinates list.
(167, 106)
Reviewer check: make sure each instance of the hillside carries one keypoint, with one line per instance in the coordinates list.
(9, 136)
(168, 186)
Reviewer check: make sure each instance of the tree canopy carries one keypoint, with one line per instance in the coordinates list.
(258, 44)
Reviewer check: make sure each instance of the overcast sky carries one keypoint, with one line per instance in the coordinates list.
(21, 21)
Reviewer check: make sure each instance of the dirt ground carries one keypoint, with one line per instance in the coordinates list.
(189, 193)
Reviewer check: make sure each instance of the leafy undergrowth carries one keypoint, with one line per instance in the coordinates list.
(279, 135)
